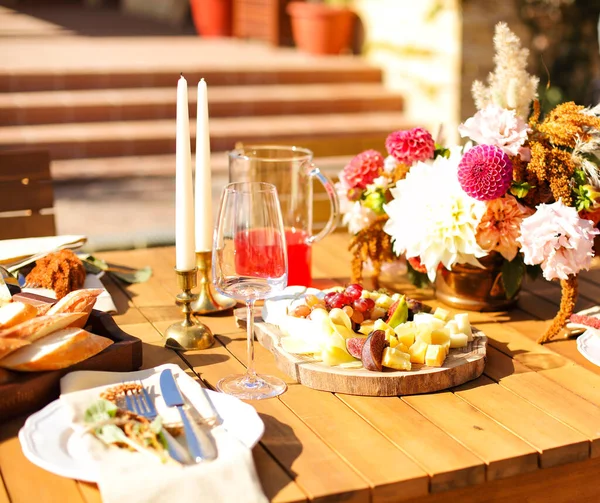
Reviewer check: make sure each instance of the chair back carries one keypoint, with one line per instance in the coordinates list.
(26, 194)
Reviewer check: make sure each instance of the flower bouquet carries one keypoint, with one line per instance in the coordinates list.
(524, 188)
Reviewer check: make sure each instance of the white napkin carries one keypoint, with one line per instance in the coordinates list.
(135, 478)
(13, 251)
(104, 301)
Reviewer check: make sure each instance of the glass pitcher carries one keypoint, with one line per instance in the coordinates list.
(292, 171)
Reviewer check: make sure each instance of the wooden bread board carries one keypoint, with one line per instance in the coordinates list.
(27, 392)
(461, 365)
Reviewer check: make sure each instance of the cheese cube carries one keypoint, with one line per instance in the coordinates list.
(452, 327)
(406, 333)
(459, 340)
(366, 327)
(417, 351)
(435, 355)
(428, 319)
(395, 359)
(402, 347)
(441, 313)
(464, 325)
(393, 341)
(440, 336)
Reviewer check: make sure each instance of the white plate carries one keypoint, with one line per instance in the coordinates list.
(588, 344)
(48, 441)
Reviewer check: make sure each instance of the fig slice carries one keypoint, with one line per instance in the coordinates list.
(354, 346)
(372, 351)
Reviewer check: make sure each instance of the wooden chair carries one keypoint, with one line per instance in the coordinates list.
(26, 194)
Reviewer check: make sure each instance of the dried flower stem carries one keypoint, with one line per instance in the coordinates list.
(373, 244)
(569, 289)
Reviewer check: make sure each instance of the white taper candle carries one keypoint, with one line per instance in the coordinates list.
(185, 258)
(204, 218)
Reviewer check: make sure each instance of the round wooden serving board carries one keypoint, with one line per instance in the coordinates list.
(461, 365)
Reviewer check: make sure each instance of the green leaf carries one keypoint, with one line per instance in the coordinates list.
(112, 434)
(136, 276)
(99, 411)
(520, 189)
(533, 271)
(441, 151)
(127, 274)
(512, 276)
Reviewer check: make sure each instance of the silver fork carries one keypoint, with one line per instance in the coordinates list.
(140, 402)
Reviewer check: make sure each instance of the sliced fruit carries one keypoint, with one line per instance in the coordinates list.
(372, 352)
(354, 346)
(334, 355)
(399, 314)
(435, 355)
(396, 359)
(366, 327)
(417, 351)
(339, 317)
(298, 346)
(459, 340)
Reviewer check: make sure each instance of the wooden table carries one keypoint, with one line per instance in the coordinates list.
(528, 428)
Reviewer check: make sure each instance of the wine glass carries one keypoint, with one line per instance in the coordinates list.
(250, 263)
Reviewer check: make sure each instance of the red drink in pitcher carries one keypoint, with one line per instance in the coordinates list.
(255, 254)
(299, 257)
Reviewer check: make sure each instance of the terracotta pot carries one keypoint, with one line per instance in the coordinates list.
(472, 288)
(321, 29)
(212, 18)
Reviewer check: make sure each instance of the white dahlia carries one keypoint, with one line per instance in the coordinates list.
(432, 218)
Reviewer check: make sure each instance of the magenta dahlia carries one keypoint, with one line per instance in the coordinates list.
(410, 146)
(363, 169)
(485, 172)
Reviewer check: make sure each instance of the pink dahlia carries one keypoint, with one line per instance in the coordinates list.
(410, 146)
(485, 172)
(362, 169)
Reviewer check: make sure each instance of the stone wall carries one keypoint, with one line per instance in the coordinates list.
(432, 50)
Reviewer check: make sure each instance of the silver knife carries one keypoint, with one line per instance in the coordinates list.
(200, 449)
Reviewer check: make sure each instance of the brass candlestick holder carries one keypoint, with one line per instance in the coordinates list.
(190, 333)
(209, 301)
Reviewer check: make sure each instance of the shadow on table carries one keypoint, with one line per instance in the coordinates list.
(284, 447)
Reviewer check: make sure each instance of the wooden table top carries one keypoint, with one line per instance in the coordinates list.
(529, 427)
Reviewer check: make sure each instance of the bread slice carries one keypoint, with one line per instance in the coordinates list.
(14, 313)
(56, 351)
(36, 328)
(78, 301)
(7, 346)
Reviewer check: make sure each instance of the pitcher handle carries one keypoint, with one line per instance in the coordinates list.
(333, 201)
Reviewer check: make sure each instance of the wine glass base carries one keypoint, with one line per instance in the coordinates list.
(257, 388)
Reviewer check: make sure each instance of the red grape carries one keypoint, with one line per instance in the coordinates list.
(361, 305)
(329, 296)
(339, 301)
(353, 291)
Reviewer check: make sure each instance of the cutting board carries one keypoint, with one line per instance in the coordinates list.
(461, 365)
(26, 392)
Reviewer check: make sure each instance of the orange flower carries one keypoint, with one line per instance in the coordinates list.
(500, 226)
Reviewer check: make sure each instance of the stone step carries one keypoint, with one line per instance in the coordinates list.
(68, 171)
(329, 134)
(320, 70)
(46, 107)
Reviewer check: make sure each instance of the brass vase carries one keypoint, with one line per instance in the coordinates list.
(474, 289)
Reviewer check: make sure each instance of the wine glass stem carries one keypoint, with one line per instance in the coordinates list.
(250, 372)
